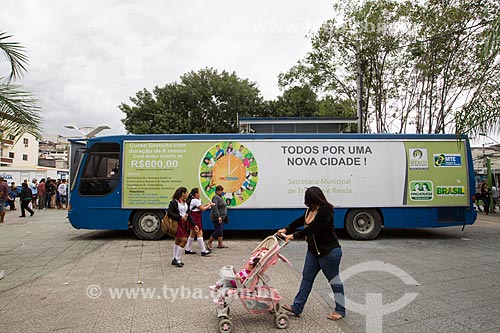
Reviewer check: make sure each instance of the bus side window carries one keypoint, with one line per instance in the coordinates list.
(101, 169)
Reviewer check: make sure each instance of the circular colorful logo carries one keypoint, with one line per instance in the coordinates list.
(232, 165)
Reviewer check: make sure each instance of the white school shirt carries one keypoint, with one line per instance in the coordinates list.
(195, 203)
(183, 207)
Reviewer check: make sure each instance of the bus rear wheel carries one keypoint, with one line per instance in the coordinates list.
(146, 224)
(363, 224)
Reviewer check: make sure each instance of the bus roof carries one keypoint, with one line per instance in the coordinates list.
(274, 136)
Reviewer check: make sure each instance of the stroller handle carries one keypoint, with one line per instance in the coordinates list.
(282, 243)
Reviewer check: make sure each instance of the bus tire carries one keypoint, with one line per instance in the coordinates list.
(146, 224)
(363, 224)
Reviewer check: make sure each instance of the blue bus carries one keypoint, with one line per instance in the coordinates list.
(374, 181)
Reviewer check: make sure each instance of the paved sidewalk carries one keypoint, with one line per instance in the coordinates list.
(54, 273)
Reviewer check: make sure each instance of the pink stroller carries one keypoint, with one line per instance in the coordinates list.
(255, 293)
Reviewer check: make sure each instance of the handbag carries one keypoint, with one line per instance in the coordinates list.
(225, 219)
(169, 226)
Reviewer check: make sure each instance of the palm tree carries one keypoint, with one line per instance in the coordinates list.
(19, 112)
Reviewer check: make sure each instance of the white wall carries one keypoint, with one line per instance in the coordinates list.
(26, 145)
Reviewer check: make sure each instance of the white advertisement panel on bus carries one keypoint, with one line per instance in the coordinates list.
(271, 173)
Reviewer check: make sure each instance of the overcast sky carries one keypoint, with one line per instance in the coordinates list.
(87, 57)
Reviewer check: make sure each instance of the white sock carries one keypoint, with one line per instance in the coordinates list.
(179, 251)
(189, 244)
(175, 251)
(201, 243)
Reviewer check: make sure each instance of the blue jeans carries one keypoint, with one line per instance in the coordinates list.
(219, 229)
(329, 264)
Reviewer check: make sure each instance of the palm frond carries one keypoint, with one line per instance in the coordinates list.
(19, 112)
(14, 52)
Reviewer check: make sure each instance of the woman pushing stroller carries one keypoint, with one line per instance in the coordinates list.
(323, 251)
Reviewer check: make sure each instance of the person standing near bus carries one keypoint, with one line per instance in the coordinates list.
(4, 196)
(25, 199)
(323, 251)
(34, 189)
(50, 190)
(218, 215)
(12, 196)
(196, 208)
(42, 193)
(178, 211)
(486, 197)
(62, 190)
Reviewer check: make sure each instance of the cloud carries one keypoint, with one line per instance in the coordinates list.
(88, 57)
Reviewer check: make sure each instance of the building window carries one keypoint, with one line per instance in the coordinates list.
(11, 155)
(25, 157)
(25, 141)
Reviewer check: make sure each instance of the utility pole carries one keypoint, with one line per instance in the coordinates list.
(359, 88)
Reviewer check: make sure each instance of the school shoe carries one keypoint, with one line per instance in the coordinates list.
(177, 263)
(189, 252)
(206, 253)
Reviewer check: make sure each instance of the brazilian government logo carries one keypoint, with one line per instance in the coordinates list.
(232, 165)
(447, 160)
(418, 158)
(421, 190)
(443, 191)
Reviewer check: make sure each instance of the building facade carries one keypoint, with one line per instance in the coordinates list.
(26, 158)
(20, 153)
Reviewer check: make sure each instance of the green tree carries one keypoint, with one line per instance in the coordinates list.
(482, 113)
(421, 62)
(298, 101)
(202, 102)
(369, 32)
(19, 112)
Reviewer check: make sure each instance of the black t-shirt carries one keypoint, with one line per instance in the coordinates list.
(320, 233)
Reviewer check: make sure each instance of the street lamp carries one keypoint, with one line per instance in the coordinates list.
(88, 132)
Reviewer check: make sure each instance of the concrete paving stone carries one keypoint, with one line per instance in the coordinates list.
(413, 327)
(435, 306)
(444, 325)
(355, 322)
(77, 318)
(493, 267)
(118, 259)
(6, 258)
(12, 326)
(391, 284)
(115, 315)
(149, 315)
(413, 312)
(478, 321)
(467, 300)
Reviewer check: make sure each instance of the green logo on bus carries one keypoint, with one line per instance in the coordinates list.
(233, 166)
(450, 190)
(421, 190)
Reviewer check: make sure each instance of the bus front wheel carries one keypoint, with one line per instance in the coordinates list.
(146, 224)
(363, 224)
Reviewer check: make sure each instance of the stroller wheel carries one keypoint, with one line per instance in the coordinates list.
(281, 321)
(225, 326)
